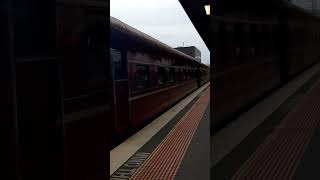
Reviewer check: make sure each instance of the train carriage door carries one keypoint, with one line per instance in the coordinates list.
(82, 44)
(34, 98)
(121, 90)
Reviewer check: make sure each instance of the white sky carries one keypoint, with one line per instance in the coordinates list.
(164, 20)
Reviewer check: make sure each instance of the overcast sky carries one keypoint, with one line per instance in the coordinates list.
(164, 20)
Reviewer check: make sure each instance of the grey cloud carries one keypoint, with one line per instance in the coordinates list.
(164, 20)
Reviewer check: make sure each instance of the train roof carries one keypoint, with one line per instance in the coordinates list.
(147, 41)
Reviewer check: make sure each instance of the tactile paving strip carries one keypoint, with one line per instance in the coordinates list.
(280, 154)
(165, 160)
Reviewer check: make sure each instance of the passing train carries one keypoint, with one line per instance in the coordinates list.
(57, 96)
(148, 77)
(257, 54)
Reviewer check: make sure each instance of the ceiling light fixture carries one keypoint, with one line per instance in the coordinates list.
(207, 8)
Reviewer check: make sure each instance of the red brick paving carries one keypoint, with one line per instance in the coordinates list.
(165, 160)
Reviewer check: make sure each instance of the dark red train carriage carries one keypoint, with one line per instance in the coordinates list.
(149, 76)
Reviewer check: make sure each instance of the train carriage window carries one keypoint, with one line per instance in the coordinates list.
(119, 64)
(161, 75)
(187, 74)
(142, 76)
(192, 74)
(82, 42)
(172, 75)
(177, 74)
(177, 70)
(118, 71)
(33, 25)
(181, 75)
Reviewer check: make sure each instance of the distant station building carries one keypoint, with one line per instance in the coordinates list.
(191, 51)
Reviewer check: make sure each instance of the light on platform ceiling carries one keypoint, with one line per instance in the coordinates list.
(207, 8)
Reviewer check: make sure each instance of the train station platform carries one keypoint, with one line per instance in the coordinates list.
(170, 146)
(277, 139)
